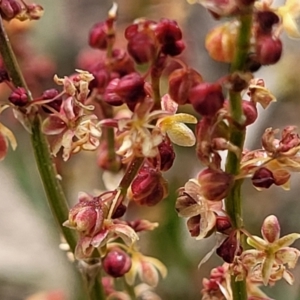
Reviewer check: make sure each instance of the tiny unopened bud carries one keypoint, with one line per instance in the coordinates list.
(19, 97)
(55, 104)
(116, 263)
(131, 89)
(250, 112)
(180, 83)
(98, 36)
(149, 187)
(167, 31)
(281, 176)
(220, 42)
(215, 184)
(266, 19)
(9, 9)
(119, 211)
(270, 229)
(110, 96)
(207, 98)
(193, 225)
(262, 178)
(229, 249)
(165, 157)
(142, 48)
(86, 216)
(268, 49)
(173, 49)
(223, 224)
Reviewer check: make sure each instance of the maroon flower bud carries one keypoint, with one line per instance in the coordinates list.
(167, 31)
(215, 184)
(281, 176)
(149, 187)
(193, 225)
(223, 224)
(98, 37)
(207, 98)
(180, 83)
(100, 81)
(142, 48)
(55, 104)
(173, 49)
(116, 263)
(165, 158)
(9, 9)
(131, 88)
(250, 112)
(119, 211)
(110, 96)
(268, 49)
(19, 97)
(263, 178)
(86, 216)
(266, 19)
(252, 63)
(122, 62)
(229, 249)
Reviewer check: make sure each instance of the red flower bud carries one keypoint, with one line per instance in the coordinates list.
(142, 48)
(180, 83)
(110, 96)
(98, 37)
(122, 62)
(167, 31)
(55, 104)
(250, 112)
(9, 9)
(19, 97)
(193, 225)
(165, 157)
(131, 88)
(266, 19)
(86, 216)
(268, 49)
(223, 224)
(173, 49)
(116, 263)
(207, 98)
(229, 249)
(215, 184)
(149, 187)
(263, 178)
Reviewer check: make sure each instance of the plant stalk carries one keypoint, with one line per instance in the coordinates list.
(50, 179)
(233, 202)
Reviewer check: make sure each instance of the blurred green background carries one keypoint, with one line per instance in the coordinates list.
(30, 260)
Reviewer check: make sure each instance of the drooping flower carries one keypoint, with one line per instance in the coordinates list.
(201, 213)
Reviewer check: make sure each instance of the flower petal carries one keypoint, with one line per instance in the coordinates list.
(181, 135)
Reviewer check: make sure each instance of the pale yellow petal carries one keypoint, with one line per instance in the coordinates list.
(181, 135)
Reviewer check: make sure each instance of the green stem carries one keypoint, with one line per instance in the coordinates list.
(233, 202)
(49, 176)
(52, 187)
